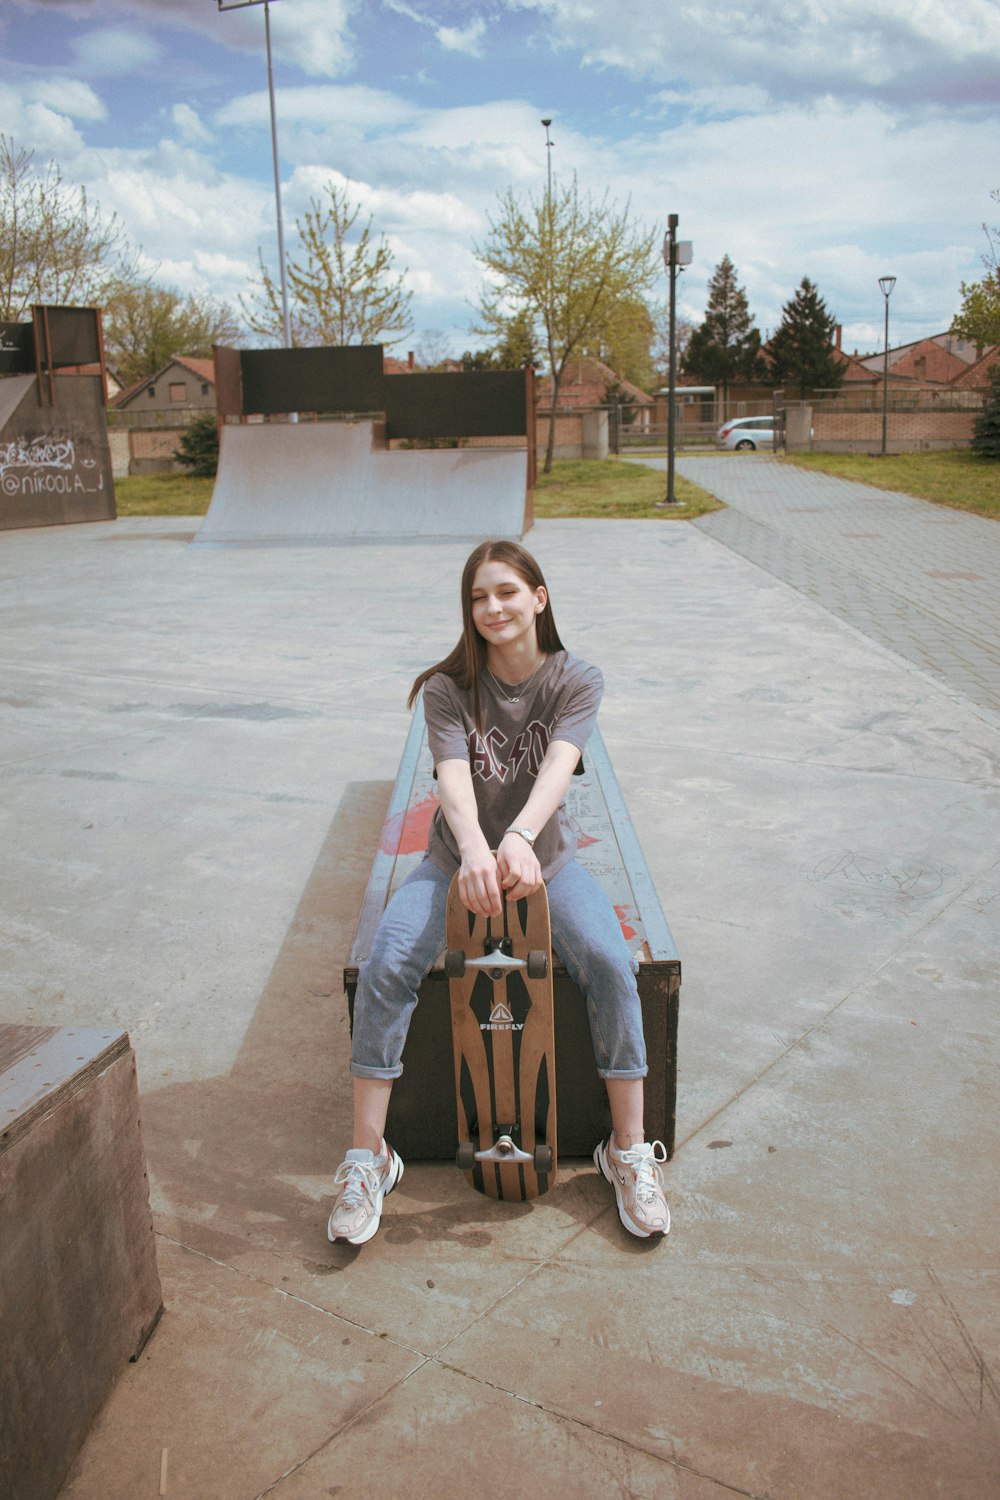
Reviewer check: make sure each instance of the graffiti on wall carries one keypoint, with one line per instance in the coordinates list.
(47, 465)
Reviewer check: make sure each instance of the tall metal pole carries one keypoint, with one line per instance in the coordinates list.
(670, 257)
(242, 5)
(548, 149)
(886, 284)
(277, 181)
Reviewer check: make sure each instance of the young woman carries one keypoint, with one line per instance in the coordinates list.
(508, 714)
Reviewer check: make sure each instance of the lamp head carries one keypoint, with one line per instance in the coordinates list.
(886, 284)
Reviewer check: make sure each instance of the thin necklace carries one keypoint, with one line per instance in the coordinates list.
(524, 686)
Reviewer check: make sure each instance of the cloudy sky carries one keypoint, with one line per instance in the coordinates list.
(835, 139)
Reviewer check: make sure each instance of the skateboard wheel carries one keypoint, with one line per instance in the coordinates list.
(538, 964)
(544, 1159)
(466, 1156)
(454, 963)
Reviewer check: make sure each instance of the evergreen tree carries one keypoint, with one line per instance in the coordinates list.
(198, 449)
(986, 430)
(802, 351)
(725, 348)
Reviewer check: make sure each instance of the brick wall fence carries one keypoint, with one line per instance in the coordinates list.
(839, 426)
(145, 444)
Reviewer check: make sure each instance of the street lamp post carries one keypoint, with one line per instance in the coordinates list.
(242, 5)
(886, 284)
(548, 150)
(676, 255)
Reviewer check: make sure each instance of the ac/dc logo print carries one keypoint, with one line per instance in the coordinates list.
(486, 751)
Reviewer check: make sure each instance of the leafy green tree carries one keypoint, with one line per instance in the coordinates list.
(986, 429)
(198, 449)
(725, 348)
(626, 343)
(567, 264)
(802, 350)
(978, 319)
(660, 349)
(55, 245)
(341, 290)
(145, 326)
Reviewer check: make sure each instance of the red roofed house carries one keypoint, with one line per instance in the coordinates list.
(182, 383)
(146, 422)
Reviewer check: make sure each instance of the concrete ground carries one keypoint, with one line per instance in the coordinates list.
(196, 751)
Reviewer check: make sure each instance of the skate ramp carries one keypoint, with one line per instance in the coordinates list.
(329, 481)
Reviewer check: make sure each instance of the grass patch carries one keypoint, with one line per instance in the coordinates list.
(608, 488)
(954, 477)
(163, 495)
(611, 489)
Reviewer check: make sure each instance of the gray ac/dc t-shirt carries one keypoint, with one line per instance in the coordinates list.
(561, 703)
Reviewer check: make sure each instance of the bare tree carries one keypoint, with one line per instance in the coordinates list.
(55, 245)
(342, 291)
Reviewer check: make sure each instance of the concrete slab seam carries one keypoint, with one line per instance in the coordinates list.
(821, 1021)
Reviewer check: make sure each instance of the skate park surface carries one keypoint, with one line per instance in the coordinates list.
(198, 746)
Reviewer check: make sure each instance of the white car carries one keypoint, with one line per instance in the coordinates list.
(746, 434)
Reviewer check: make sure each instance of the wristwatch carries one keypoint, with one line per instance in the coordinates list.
(526, 834)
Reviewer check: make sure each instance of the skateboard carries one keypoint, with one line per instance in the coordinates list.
(500, 984)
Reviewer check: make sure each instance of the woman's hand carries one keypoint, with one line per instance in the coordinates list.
(517, 863)
(479, 884)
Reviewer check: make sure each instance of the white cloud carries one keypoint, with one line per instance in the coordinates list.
(68, 96)
(113, 50)
(466, 38)
(463, 38)
(36, 127)
(911, 52)
(320, 105)
(190, 125)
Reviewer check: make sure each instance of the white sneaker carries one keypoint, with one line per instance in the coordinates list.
(638, 1183)
(363, 1179)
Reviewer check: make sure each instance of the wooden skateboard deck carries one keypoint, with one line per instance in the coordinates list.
(500, 982)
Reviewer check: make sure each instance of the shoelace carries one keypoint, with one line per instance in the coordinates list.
(645, 1163)
(357, 1177)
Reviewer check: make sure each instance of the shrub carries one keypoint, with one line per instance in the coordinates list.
(986, 431)
(198, 449)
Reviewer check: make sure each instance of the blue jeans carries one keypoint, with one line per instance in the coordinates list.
(586, 937)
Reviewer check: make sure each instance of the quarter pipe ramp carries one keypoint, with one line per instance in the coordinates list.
(327, 481)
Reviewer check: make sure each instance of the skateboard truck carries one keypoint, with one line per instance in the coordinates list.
(497, 965)
(503, 1150)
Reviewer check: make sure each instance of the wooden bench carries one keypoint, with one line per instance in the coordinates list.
(422, 1122)
(79, 1289)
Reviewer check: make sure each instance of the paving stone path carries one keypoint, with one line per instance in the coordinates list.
(919, 579)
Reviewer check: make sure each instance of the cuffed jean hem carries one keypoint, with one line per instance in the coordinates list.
(630, 1074)
(384, 1075)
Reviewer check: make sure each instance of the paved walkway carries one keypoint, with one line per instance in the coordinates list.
(918, 578)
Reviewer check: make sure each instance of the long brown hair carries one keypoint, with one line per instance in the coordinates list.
(468, 659)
